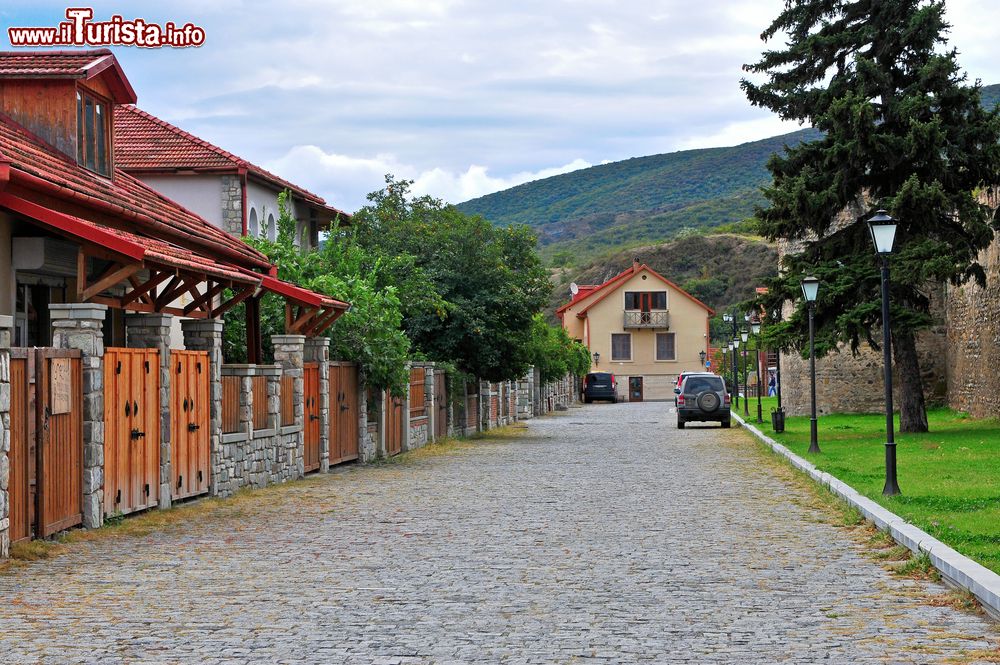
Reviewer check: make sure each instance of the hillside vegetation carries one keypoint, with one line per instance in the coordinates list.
(582, 215)
(716, 269)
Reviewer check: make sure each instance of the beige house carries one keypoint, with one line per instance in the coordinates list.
(642, 327)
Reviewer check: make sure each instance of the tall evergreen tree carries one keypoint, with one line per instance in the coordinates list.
(902, 130)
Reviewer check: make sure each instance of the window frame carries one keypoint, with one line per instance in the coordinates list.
(631, 352)
(656, 348)
(638, 303)
(85, 139)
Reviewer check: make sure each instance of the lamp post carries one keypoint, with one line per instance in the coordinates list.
(883, 230)
(736, 371)
(755, 328)
(744, 335)
(731, 352)
(729, 318)
(702, 355)
(810, 289)
(597, 358)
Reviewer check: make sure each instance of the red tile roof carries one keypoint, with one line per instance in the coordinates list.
(36, 165)
(145, 143)
(586, 292)
(82, 65)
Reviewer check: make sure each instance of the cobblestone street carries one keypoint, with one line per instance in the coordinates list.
(601, 535)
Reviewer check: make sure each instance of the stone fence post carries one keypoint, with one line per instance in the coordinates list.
(6, 324)
(206, 335)
(317, 350)
(152, 331)
(289, 354)
(80, 326)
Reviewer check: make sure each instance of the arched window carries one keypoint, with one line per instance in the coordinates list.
(272, 229)
(252, 227)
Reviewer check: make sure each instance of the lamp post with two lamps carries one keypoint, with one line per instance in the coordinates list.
(883, 230)
(810, 289)
(745, 336)
(755, 328)
(729, 318)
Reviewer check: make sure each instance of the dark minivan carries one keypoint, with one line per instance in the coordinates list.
(600, 385)
(702, 398)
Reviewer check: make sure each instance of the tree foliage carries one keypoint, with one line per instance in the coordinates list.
(369, 334)
(469, 289)
(901, 130)
(553, 353)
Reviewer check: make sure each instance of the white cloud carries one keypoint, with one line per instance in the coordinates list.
(348, 176)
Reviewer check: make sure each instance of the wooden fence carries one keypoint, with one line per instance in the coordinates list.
(287, 400)
(259, 386)
(231, 404)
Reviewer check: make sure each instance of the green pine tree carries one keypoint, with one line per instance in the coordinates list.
(902, 130)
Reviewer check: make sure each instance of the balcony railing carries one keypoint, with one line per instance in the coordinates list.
(659, 319)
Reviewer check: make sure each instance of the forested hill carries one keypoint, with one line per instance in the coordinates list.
(643, 200)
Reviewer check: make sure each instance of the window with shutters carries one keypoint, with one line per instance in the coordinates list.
(621, 346)
(665, 346)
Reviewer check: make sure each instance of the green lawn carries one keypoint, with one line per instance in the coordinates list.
(950, 477)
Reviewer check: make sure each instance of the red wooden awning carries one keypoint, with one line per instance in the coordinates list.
(306, 312)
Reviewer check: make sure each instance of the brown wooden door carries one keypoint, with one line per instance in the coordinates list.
(344, 413)
(310, 377)
(59, 475)
(635, 388)
(190, 462)
(394, 424)
(22, 448)
(440, 405)
(131, 430)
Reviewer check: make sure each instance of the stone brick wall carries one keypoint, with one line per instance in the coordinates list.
(973, 349)
(232, 205)
(6, 324)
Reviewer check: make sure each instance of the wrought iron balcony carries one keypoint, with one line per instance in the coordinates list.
(659, 319)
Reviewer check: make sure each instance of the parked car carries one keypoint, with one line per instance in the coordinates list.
(702, 397)
(680, 379)
(600, 386)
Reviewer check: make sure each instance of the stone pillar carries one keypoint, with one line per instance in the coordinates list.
(317, 350)
(484, 405)
(152, 331)
(206, 335)
(430, 399)
(289, 354)
(6, 325)
(81, 326)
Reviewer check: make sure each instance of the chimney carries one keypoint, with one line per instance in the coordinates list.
(635, 264)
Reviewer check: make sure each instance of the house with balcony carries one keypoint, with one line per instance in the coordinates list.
(642, 327)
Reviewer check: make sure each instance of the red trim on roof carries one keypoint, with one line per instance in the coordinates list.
(300, 295)
(628, 272)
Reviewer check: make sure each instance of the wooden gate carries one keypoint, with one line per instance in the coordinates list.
(344, 413)
(131, 430)
(440, 405)
(310, 376)
(395, 422)
(190, 434)
(46, 436)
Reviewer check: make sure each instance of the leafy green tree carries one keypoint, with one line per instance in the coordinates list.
(554, 353)
(469, 289)
(902, 130)
(369, 334)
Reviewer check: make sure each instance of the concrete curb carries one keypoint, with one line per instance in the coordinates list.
(957, 569)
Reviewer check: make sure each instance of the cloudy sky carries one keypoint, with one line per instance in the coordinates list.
(465, 97)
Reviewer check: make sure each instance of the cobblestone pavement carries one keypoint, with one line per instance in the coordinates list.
(602, 535)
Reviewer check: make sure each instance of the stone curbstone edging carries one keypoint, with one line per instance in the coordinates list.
(956, 569)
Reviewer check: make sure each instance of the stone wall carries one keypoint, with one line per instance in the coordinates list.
(973, 349)
(6, 323)
(232, 205)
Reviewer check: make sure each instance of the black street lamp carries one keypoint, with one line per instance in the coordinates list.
(597, 358)
(702, 355)
(755, 328)
(729, 318)
(729, 348)
(744, 335)
(736, 371)
(883, 230)
(810, 289)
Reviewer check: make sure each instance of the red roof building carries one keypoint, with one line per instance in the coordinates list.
(233, 193)
(63, 193)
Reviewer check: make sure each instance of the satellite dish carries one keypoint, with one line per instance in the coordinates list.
(573, 288)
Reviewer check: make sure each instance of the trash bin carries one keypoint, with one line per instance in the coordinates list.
(778, 420)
